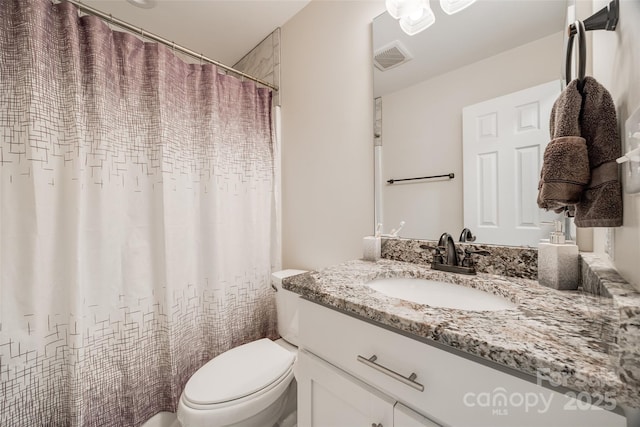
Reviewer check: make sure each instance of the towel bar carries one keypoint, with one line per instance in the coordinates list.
(449, 175)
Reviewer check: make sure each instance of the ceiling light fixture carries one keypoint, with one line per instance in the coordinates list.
(400, 8)
(454, 6)
(416, 15)
(418, 20)
(144, 4)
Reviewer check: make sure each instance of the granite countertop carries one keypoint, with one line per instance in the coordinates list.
(567, 336)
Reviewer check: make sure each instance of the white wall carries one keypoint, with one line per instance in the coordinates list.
(422, 133)
(327, 132)
(616, 64)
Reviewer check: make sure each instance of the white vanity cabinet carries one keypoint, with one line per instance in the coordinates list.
(354, 373)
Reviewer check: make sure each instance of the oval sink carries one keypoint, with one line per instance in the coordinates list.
(440, 294)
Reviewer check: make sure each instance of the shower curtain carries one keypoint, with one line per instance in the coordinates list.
(136, 219)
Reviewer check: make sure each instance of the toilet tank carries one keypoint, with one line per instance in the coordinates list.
(287, 306)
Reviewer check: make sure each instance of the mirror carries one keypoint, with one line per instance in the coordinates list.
(491, 49)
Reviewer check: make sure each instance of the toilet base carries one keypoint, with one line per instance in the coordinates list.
(289, 416)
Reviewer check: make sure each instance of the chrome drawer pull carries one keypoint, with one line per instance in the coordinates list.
(410, 381)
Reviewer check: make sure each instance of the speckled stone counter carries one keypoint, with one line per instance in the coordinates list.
(569, 337)
(512, 261)
(600, 278)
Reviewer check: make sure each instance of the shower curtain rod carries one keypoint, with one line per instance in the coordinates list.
(145, 34)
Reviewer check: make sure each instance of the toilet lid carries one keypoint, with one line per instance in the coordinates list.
(238, 372)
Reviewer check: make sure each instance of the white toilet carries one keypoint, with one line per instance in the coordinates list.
(251, 385)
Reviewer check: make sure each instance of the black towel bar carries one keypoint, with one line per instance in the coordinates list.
(449, 175)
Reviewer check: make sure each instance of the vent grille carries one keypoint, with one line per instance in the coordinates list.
(391, 56)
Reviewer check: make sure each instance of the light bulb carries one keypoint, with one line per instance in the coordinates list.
(454, 6)
(418, 20)
(402, 8)
(417, 14)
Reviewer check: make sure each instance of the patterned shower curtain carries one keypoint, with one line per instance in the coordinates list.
(136, 219)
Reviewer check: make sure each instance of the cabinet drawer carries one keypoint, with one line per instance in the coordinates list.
(447, 388)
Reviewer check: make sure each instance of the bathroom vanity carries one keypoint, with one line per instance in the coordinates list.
(373, 360)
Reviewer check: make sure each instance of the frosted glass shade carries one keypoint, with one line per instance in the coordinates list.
(401, 8)
(418, 21)
(453, 6)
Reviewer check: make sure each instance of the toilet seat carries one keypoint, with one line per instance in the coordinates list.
(240, 382)
(213, 397)
(237, 373)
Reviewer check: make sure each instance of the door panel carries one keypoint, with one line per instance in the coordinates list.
(503, 145)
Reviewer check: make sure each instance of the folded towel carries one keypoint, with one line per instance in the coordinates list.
(601, 202)
(590, 115)
(565, 169)
(565, 173)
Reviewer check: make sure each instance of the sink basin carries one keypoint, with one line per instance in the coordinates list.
(440, 294)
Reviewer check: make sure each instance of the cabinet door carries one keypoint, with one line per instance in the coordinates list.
(329, 397)
(405, 417)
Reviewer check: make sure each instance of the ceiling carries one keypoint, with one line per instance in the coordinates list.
(484, 29)
(224, 30)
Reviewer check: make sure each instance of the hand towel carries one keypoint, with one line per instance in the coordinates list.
(601, 202)
(590, 115)
(565, 173)
(565, 169)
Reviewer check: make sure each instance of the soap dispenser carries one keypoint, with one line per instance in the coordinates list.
(558, 262)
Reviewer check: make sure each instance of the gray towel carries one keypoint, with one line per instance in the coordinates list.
(590, 115)
(565, 173)
(565, 169)
(601, 202)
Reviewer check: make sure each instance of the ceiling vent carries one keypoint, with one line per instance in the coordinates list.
(390, 56)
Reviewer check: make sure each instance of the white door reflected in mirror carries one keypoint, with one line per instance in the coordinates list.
(503, 144)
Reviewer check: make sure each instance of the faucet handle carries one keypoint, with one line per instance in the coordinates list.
(468, 251)
(467, 261)
(436, 248)
(438, 253)
(466, 236)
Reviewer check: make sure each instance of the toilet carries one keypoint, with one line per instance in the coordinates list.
(252, 385)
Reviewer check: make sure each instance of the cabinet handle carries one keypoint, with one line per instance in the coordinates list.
(410, 380)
